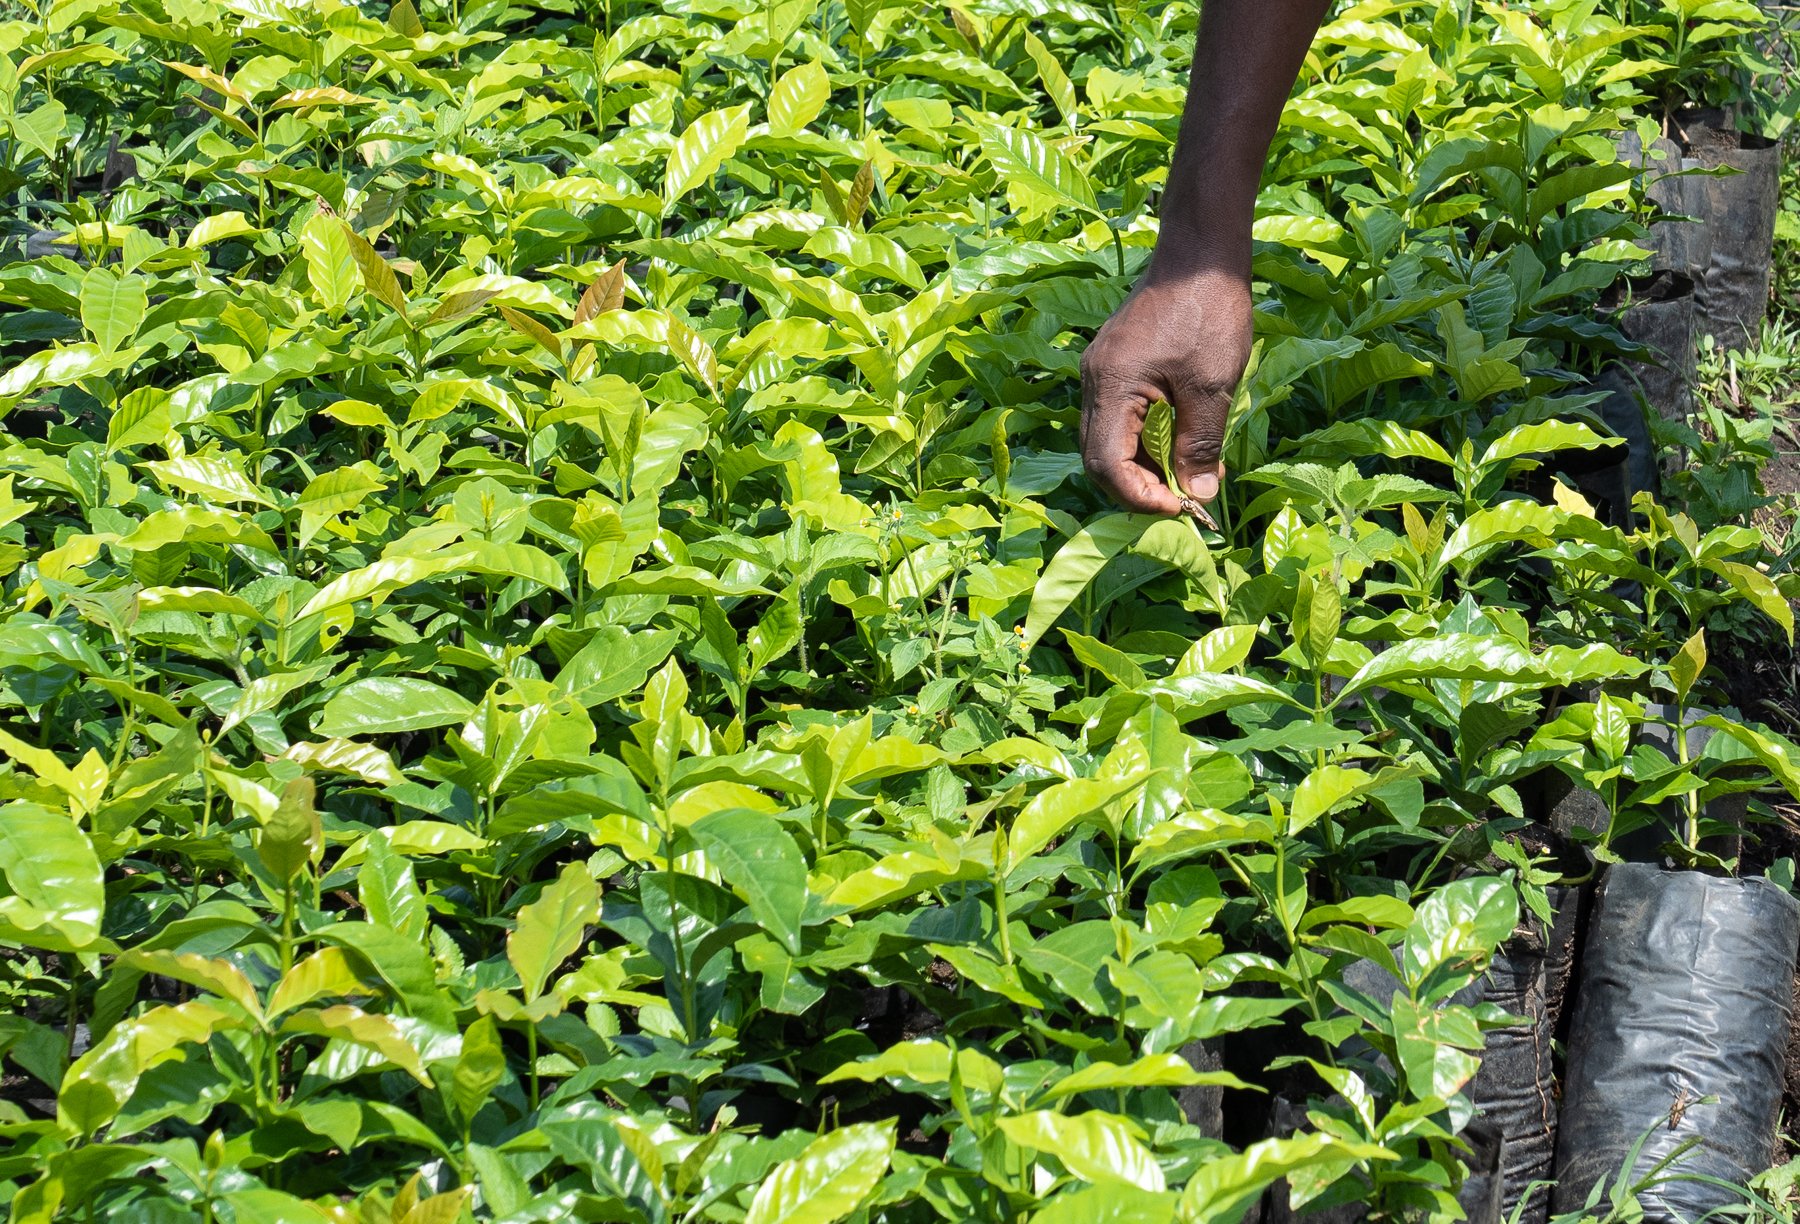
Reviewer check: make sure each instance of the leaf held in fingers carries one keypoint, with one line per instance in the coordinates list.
(1159, 440)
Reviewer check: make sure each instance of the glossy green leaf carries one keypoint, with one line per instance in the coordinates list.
(330, 264)
(552, 928)
(702, 148)
(54, 875)
(1036, 173)
(827, 1181)
(1096, 1147)
(113, 307)
(388, 704)
(1075, 565)
(761, 863)
(1222, 1188)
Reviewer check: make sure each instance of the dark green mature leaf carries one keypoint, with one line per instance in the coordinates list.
(761, 863)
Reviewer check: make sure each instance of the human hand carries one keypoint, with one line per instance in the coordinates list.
(1184, 337)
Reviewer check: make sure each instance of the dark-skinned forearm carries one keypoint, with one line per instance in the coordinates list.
(1245, 61)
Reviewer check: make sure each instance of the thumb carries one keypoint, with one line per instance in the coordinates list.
(1199, 440)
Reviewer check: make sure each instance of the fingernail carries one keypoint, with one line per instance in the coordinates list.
(1205, 486)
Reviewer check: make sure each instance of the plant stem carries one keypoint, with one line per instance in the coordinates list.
(1000, 916)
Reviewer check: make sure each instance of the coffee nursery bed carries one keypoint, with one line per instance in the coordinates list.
(557, 661)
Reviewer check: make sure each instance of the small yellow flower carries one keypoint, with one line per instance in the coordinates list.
(1024, 669)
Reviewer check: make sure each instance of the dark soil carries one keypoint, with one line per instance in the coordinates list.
(1781, 477)
(1790, 1096)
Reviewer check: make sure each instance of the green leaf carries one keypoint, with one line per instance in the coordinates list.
(1096, 1147)
(800, 95)
(1224, 1186)
(99, 1083)
(551, 929)
(1075, 565)
(1612, 729)
(377, 276)
(1325, 790)
(43, 127)
(1159, 440)
(1219, 651)
(1542, 437)
(113, 307)
(383, 705)
(389, 892)
(1151, 1071)
(1055, 81)
(479, 1068)
(702, 149)
(220, 977)
(925, 1062)
(1464, 656)
(53, 872)
(381, 1034)
(1778, 755)
(1199, 694)
(209, 476)
(827, 1181)
(330, 264)
(1111, 1203)
(1039, 177)
(614, 663)
(761, 863)
(1459, 925)
(1513, 520)
(1688, 663)
(326, 973)
(1426, 1041)
(1759, 589)
(292, 837)
(1052, 812)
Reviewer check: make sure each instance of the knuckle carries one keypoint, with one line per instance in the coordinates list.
(1197, 448)
(1205, 383)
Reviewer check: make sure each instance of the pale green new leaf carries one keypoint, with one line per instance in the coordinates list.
(550, 929)
(1036, 174)
(702, 149)
(800, 95)
(330, 263)
(1096, 1147)
(112, 307)
(827, 1181)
